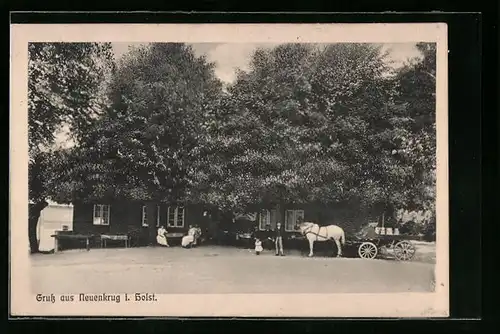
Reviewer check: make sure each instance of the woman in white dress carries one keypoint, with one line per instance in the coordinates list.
(192, 236)
(189, 238)
(161, 238)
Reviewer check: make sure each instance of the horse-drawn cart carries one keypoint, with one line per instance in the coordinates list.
(368, 248)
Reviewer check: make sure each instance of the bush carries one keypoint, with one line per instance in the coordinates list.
(411, 228)
(429, 231)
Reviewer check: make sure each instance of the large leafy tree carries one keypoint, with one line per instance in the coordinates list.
(144, 144)
(65, 85)
(326, 124)
(299, 127)
(247, 145)
(416, 94)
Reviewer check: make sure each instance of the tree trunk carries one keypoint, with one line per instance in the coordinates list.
(151, 212)
(279, 214)
(34, 212)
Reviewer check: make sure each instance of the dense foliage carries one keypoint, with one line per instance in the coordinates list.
(305, 123)
(160, 95)
(65, 89)
(325, 124)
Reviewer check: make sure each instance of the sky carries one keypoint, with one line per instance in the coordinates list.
(230, 56)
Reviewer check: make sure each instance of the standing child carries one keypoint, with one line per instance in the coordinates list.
(258, 246)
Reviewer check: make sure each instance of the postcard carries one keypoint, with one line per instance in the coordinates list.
(229, 170)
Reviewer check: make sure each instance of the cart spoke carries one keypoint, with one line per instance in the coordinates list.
(404, 250)
(367, 250)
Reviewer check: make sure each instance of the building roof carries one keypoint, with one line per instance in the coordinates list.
(52, 203)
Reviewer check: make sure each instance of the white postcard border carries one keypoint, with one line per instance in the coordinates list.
(23, 303)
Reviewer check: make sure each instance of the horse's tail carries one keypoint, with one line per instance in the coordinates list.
(342, 237)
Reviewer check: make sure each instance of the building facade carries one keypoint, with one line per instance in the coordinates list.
(343, 215)
(130, 217)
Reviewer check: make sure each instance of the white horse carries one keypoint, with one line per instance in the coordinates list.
(313, 232)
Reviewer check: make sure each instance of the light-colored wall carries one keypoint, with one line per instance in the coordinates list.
(52, 219)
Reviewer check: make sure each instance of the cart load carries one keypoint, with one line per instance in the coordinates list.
(370, 239)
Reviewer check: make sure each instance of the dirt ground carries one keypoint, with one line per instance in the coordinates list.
(215, 269)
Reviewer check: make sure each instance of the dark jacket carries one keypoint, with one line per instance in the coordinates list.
(279, 232)
(262, 235)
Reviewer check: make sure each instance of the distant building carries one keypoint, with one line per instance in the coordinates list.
(55, 217)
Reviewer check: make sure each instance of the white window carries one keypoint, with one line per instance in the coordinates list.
(175, 216)
(291, 218)
(145, 216)
(101, 214)
(267, 217)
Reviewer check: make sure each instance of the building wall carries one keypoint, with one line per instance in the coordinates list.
(83, 220)
(346, 216)
(53, 218)
(127, 216)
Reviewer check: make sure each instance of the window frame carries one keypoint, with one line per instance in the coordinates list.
(294, 217)
(176, 216)
(144, 215)
(100, 208)
(268, 214)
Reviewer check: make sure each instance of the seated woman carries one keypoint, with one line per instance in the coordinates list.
(161, 238)
(197, 235)
(191, 239)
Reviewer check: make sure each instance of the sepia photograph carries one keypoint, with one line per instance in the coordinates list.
(176, 173)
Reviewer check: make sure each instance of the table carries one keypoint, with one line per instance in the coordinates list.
(121, 237)
(85, 237)
(175, 235)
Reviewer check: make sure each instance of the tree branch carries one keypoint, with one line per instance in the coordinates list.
(430, 74)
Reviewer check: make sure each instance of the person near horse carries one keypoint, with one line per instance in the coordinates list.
(278, 239)
(266, 236)
(161, 237)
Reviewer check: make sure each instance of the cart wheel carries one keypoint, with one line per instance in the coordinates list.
(367, 250)
(404, 250)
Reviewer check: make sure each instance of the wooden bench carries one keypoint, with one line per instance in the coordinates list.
(174, 238)
(175, 235)
(58, 237)
(121, 237)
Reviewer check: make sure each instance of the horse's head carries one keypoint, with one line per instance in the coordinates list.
(303, 226)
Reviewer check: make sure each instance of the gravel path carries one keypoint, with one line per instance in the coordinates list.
(220, 270)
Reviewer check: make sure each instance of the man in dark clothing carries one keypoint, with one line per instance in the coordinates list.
(278, 241)
(266, 237)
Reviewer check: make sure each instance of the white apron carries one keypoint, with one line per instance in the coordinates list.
(258, 247)
(160, 238)
(187, 240)
(191, 238)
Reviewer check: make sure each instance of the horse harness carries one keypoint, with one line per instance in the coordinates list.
(309, 231)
